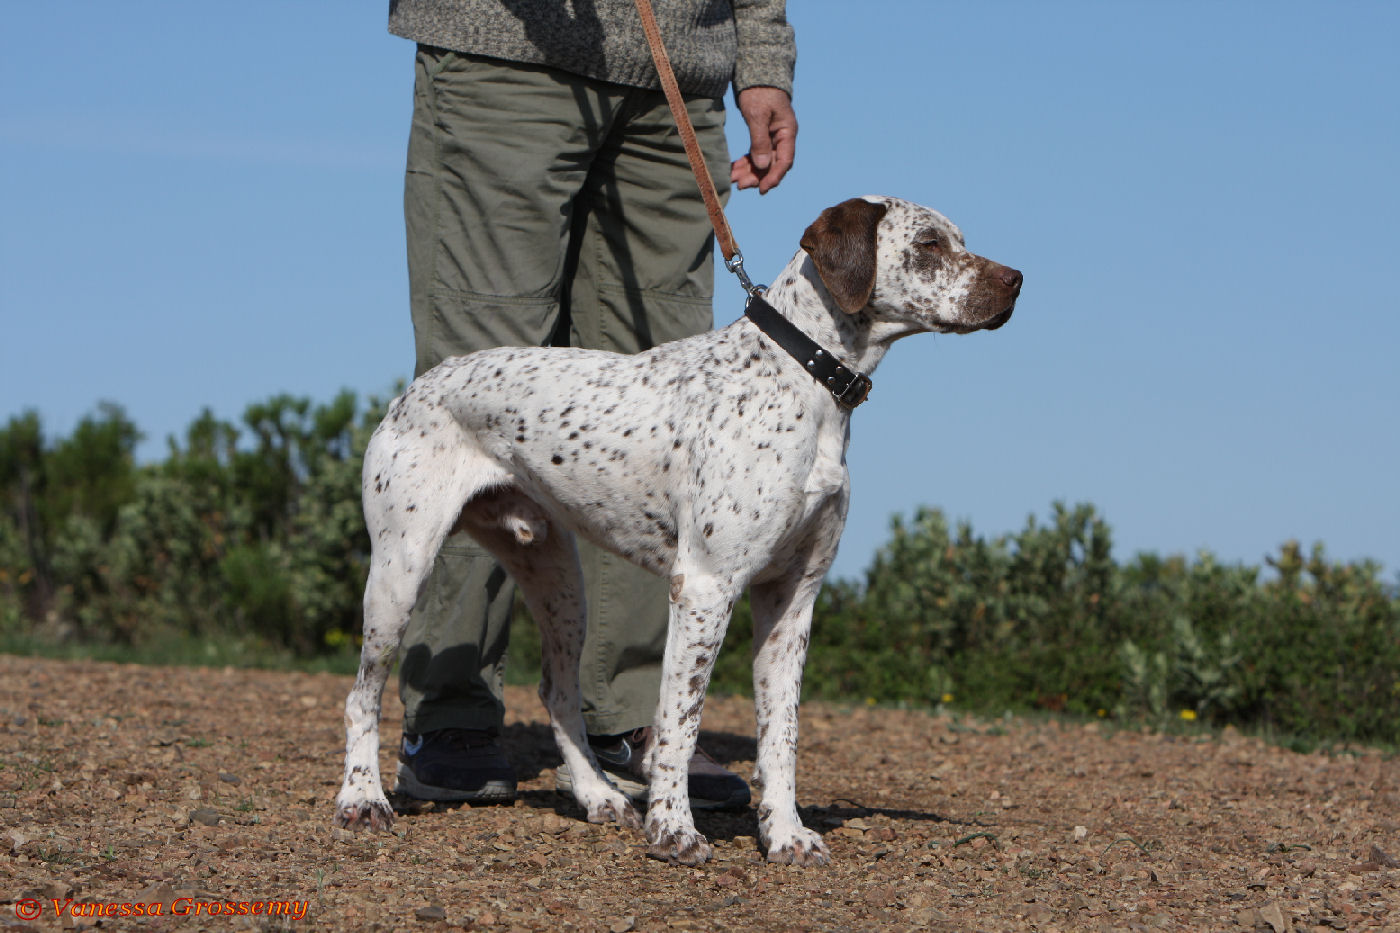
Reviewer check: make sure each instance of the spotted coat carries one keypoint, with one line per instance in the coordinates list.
(714, 461)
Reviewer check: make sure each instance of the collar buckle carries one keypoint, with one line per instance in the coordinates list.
(856, 391)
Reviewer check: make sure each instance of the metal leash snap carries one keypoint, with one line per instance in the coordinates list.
(735, 264)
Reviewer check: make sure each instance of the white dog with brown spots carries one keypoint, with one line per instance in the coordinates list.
(717, 461)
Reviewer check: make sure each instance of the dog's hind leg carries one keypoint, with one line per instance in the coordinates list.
(412, 496)
(543, 560)
(389, 597)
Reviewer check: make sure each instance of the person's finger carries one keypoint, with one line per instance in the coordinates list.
(783, 135)
(742, 174)
(760, 144)
(784, 154)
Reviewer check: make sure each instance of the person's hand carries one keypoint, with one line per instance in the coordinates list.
(772, 138)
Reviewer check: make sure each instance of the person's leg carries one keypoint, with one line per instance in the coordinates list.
(645, 275)
(496, 155)
(642, 264)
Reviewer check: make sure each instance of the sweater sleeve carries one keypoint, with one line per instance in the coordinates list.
(767, 50)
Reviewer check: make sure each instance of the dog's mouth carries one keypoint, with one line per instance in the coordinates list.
(1000, 319)
(987, 323)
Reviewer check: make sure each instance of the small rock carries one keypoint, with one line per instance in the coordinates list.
(625, 925)
(433, 912)
(1271, 915)
(731, 877)
(228, 778)
(929, 916)
(206, 815)
(160, 892)
(58, 888)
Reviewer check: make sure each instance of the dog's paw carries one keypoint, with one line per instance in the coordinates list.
(374, 815)
(803, 847)
(682, 848)
(604, 803)
(618, 811)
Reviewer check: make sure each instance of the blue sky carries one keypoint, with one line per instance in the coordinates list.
(200, 206)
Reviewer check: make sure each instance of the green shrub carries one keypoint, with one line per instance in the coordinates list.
(259, 537)
(254, 534)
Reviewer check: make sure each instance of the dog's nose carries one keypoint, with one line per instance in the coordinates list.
(1011, 278)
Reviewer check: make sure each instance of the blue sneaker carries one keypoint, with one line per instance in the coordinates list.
(455, 764)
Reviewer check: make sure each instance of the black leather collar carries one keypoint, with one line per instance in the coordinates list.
(847, 387)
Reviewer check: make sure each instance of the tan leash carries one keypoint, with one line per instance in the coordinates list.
(733, 259)
(848, 387)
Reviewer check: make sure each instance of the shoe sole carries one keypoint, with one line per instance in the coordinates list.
(638, 793)
(490, 792)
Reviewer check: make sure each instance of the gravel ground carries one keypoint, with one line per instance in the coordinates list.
(124, 787)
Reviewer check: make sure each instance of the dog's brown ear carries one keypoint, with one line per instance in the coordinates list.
(841, 243)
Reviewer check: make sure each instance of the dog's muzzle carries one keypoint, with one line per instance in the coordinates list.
(1011, 279)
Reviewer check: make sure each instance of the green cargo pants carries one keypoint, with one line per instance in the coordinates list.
(542, 207)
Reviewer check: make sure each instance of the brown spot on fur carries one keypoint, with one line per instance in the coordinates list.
(925, 256)
(677, 582)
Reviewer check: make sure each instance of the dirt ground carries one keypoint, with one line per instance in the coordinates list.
(125, 787)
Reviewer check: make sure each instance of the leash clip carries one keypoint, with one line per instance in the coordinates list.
(736, 265)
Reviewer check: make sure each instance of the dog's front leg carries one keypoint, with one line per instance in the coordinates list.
(700, 610)
(782, 617)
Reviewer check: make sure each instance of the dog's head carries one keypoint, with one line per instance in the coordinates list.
(907, 262)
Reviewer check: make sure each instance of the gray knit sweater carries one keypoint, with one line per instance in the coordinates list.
(711, 43)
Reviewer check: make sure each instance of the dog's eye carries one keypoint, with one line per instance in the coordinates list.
(931, 242)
